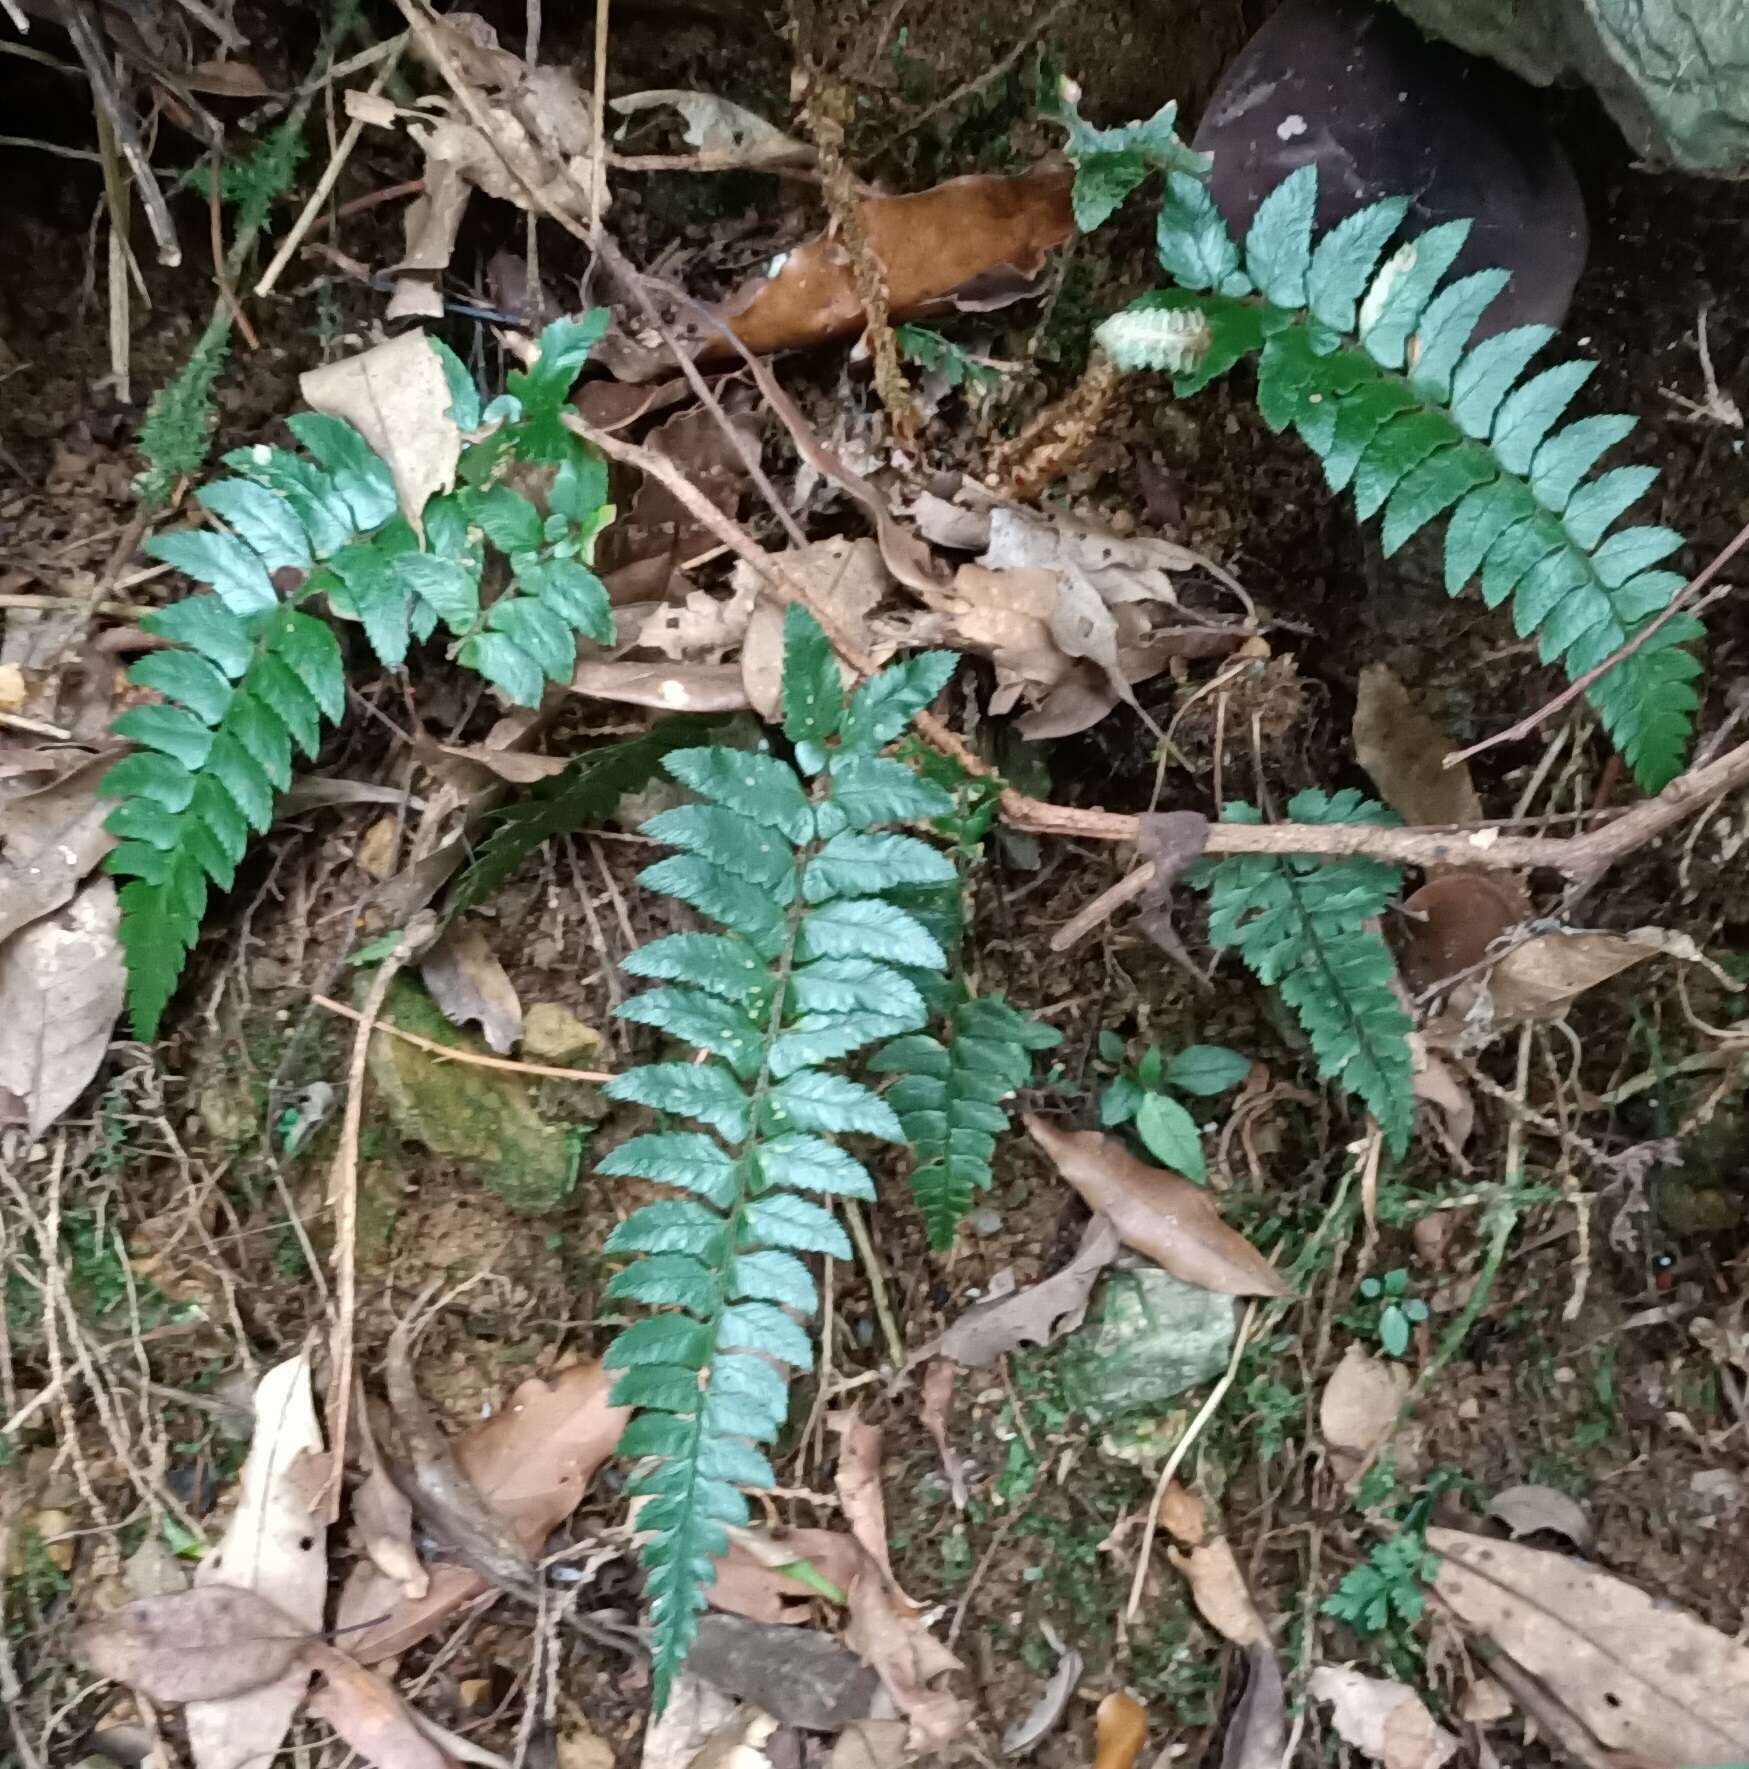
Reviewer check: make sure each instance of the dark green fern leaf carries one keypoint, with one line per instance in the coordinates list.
(1300, 924)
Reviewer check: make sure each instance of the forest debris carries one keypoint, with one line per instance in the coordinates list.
(718, 128)
(908, 1659)
(658, 525)
(1452, 920)
(53, 838)
(1149, 1338)
(696, 1710)
(1257, 1733)
(1207, 1563)
(551, 1033)
(845, 578)
(276, 1545)
(695, 628)
(381, 1512)
(396, 397)
(1382, 1719)
(208, 1644)
(869, 1744)
(1359, 1408)
(1526, 1509)
(62, 985)
(371, 1717)
(1040, 1719)
(1643, 1677)
(936, 1392)
(1120, 1729)
(858, 1485)
(375, 854)
(1158, 1213)
(1403, 750)
(797, 1675)
(1034, 1316)
(755, 1580)
(668, 687)
(468, 982)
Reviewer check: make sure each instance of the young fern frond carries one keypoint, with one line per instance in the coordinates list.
(256, 671)
(1300, 924)
(808, 969)
(1369, 365)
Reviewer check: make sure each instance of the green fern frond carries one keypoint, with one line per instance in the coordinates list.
(804, 974)
(1300, 924)
(1371, 365)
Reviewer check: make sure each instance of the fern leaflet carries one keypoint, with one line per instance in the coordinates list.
(1301, 925)
(804, 973)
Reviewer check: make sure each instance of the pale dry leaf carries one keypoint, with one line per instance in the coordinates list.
(1006, 616)
(1220, 1592)
(397, 398)
(276, 1545)
(1037, 1315)
(908, 1660)
(1437, 1084)
(1382, 1719)
(1121, 568)
(1484, 1703)
(1526, 1509)
(1183, 1515)
(668, 687)
(870, 1744)
(382, 1513)
(53, 838)
(14, 689)
(1158, 1213)
(845, 578)
(802, 1677)
(493, 762)
(857, 1482)
(1120, 1729)
(468, 983)
(752, 1581)
(1041, 1718)
(1359, 1406)
(696, 628)
(739, 1743)
(372, 108)
(578, 1745)
(62, 984)
(204, 1645)
(1403, 750)
(1646, 1678)
(936, 1394)
(715, 126)
(951, 525)
(1257, 1733)
(696, 1711)
(371, 1717)
(714, 463)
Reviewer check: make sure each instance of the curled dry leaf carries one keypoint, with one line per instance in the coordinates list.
(371, 1717)
(936, 1391)
(1120, 1729)
(381, 1512)
(715, 126)
(62, 984)
(858, 1485)
(1404, 752)
(845, 578)
(1359, 1406)
(1216, 1583)
(869, 1744)
(467, 982)
(752, 1579)
(1526, 1509)
(668, 687)
(696, 1710)
(1643, 1677)
(908, 1659)
(1382, 1719)
(396, 397)
(1040, 1719)
(1160, 1214)
(207, 1644)
(739, 1743)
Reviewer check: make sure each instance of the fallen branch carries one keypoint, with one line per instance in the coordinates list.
(449, 1054)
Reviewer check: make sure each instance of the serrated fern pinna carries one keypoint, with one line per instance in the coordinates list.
(1304, 926)
(1372, 371)
(255, 669)
(809, 967)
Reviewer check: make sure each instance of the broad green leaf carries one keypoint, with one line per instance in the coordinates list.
(1566, 457)
(757, 1326)
(510, 522)
(869, 929)
(712, 890)
(870, 789)
(769, 1276)
(1102, 181)
(1595, 505)
(450, 588)
(702, 1020)
(854, 985)
(811, 1164)
(464, 396)
(671, 1225)
(573, 593)
(565, 346)
(1278, 245)
(1402, 289)
(1528, 413)
(813, 1101)
(1396, 450)
(1360, 416)
(263, 518)
(325, 516)
(721, 963)
(360, 477)
(705, 1091)
(1481, 380)
(1191, 237)
(1436, 484)
(169, 730)
(236, 573)
(204, 624)
(1445, 329)
(1206, 1069)
(1343, 262)
(813, 691)
(1479, 520)
(1632, 550)
(758, 786)
(853, 865)
(666, 1280)
(505, 664)
(782, 1220)
(683, 1158)
(579, 487)
(750, 850)
(1171, 1135)
(885, 704)
(538, 631)
(184, 677)
(310, 651)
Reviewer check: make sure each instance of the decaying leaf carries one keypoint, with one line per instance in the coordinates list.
(1404, 752)
(858, 1485)
(372, 1718)
(1526, 1509)
(204, 1645)
(1644, 1678)
(382, 1513)
(869, 1744)
(1043, 1312)
(467, 982)
(62, 984)
(53, 838)
(1257, 1733)
(1359, 1406)
(1382, 1719)
(1449, 924)
(1041, 1718)
(1120, 1729)
(1209, 1567)
(845, 578)
(755, 1580)
(276, 1545)
(909, 1660)
(1161, 1214)
(696, 1710)
(668, 687)
(715, 126)
(739, 1744)
(936, 1395)
(396, 397)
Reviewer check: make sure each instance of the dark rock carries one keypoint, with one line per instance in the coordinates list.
(1384, 111)
(799, 1677)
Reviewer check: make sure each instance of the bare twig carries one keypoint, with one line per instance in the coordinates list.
(598, 160)
(470, 1059)
(51, 147)
(216, 233)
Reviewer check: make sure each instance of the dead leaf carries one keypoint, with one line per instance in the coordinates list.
(1526, 1509)
(1041, 1718)
(1359, 1406)
(467, 982)
(1404, 751)
(1120, 1729)
(1035, 1316)
(372, 1718)
(936, 1392)
(752, 1581)
(739, 1743)
(1158, 1213)
(1437, 1084)
(715, 126)
(226, 79)
(14, 689)
(869, 1744)
(668, 687)
(1183, 1515)
(1451, 921)
(1220, 1591)
(493, 761)
(204, 1645)
(1645, 1677)
(53, 838)
(376, 848)
(62, 984)
(1382, 1719)
(275, 1545)
(395, 395)
(1257, 1733)
(696, 1710)
(532, 1462)
(908, 1659)
(846, 578)
(382, 1513)
(858, 1485)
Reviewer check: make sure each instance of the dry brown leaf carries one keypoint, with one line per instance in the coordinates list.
(1158, 1213)
(739, 1743)
(1526, 1509)
(225, 79)
(1220, 1591)
(1035, 1316)
(62, 984)
(869, 1744)
(668, 687)
(382, 1513)
(1257, 1733)
(14, 689)
(1404, 752)
(696, 1711)
(1359, 1406)
(658, 525)
(490, 761)
(1437, 1084)
(532, 1462)
(396, 397)
(1382, 1719)
(908, 1659)
(207, 1644)
(858, 1485)
(468, 982)
(1120, 1729)
(936, 1393)
(1183, 1515)
(376, 848)
(934, 246)
(846, 578)
(1646, 1678)
(275, 1545)
(751, 1581)
(53, 838)
(371, 1717)
(1452, 920)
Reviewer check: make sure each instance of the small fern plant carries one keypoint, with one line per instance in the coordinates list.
(796, 867)
(1368, 363)
(255, 667)
(1306, 927)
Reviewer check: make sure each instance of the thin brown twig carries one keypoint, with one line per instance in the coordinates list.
(598, 166)
(216, 233)
(470, 1059)
(1678, 604)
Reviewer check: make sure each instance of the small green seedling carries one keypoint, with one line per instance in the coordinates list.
(1386, 1589)
(1398, 1310)
(1145, 1094)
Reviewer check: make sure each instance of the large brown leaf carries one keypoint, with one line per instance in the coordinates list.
(1159, 1213)
(206, 1644)
(52, 839)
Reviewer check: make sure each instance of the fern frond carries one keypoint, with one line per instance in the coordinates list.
(1374, 369)
(804, 974)
(1300, 924)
